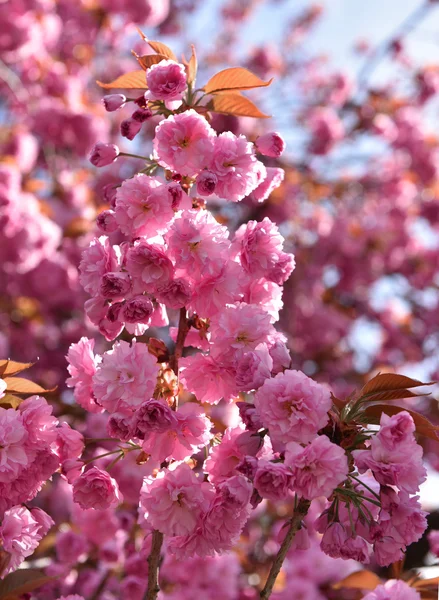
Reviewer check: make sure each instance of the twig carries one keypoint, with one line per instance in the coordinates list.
(381, 51)
(296, 520)
(157, 537)
(153, 566)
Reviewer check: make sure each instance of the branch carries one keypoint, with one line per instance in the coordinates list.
(153, 566)
(381, 51)
(183, 329)
(295, 522)
(157, 537)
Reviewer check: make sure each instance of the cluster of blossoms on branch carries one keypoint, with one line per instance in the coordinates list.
(166, 261)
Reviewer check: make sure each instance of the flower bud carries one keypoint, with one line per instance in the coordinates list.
(106, 221)
(115, 285)
(206, 183)
(103, 154)
(113, 102)
(142, 114)
(270, 144)
(129, 128)
(137, 310)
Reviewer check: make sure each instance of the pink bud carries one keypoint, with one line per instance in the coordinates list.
(106, 221)
(113, 102)
(115, 285)
(129, 128)
(206, 183)
(103, 154)
(142, 114)
(96, 489)
(270, 144)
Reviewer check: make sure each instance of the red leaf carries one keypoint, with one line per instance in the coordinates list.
(19, 385)
(192, 66)
(148, 60)
(22, 582)
(384, 382)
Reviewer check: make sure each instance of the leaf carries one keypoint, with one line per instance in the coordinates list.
(337, 402)
(161, 48)
(135, 80)
(423, 425)
(235, 78)
(19, 385)
(11, 400)
(22, 582)
(364, 580)
(392, 395)
(148, 60)
(10, 367)
(420, 584)
(158, 47)
(235, 104)
(192, 67)
(384, 382)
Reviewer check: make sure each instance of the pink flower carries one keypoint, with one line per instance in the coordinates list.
(333, 540)
(326, 129)
(119, 426)
(272, 480)
(241, 327)
(166, 81)
(174, 500)
(236, 167)
(226, 456)
(206, 183)
(137, 310)
(184, 143)
(213, 292)
(272, 181)
(143, 206)
(153, 416)
(115, 286)
(19, 535)
(82, 367)
(355, 548)
(197, 244)
(149, 266)
(99, 258)
(394, 457)
(13, 436)
(70, 443)
(103, 154)
(292, 406)
(126, 375)
(113, 102)
(175, 294)
(394, 589)
(253, 369)
(270, 144)
(96, 489)
(39, 421)
(190, 433)
(207, 378)
(71, 547)
(259, 247)
(316, 469)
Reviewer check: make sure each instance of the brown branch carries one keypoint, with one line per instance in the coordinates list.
(183, 329)
(153, 566)
(295, 522)
(157, 537)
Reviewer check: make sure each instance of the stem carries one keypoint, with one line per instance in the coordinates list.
(296, 520)
(157, 537)
(153, 566)
(183, 329)
(134, 156)
(358, 480)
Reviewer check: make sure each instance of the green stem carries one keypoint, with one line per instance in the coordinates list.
(358, 480)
